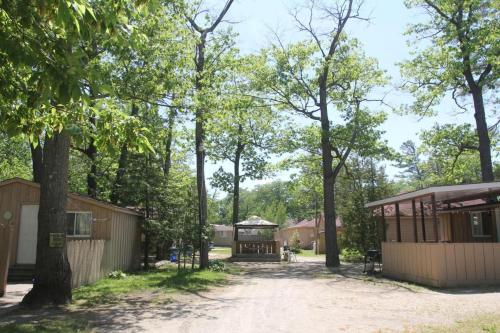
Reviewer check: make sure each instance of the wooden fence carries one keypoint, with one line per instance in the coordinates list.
(256, 247)
(443, 264)
(85, 258)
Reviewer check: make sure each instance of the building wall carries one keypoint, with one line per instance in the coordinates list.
(306, 236)
(452, 227)
(122, 250)
(119, 229)
(223, 238)
(443, 264)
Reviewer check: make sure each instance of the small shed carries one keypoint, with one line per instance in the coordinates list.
(254, 241)
(101, 237)
(443, 236)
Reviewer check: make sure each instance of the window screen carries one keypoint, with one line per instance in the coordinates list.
(79, 224)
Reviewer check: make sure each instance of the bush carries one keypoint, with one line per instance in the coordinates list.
(352, 255)
(117, 275)
(217, 265)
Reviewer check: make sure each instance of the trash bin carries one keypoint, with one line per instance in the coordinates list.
(173, 254)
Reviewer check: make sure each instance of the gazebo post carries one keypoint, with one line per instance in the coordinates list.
(398, 221)
(422, 217)
(434, 217)
(452, 229)
(414, 211)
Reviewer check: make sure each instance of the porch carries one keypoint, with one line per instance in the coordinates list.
(443, 236)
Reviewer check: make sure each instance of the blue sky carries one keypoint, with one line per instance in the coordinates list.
(381, 38)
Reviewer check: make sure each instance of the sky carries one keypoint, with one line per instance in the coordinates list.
(382, 37)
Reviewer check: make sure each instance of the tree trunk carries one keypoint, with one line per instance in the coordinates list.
(331, 249)
(91, 153)
(200, 155)
(236, 181)
(168, 144)
(120, 173)
(37, 160)
(115, 196)
(52, 283)
(483, 135)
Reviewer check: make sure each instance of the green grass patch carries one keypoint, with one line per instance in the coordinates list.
(166, 280)
(221, 250)
(484, 323)
(48, 326)
(309, 253)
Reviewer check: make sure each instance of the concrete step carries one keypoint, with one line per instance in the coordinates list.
(21, 273)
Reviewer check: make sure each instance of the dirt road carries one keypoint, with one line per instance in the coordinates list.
(303, 297)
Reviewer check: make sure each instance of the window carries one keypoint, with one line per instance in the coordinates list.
(480, 224)
(79, 224)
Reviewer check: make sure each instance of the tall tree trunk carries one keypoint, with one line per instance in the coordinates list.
(37, 161)
(331, 248)
(168, 143)
(200, 155)
(483, 135)
(236, 180)
(91, 152)
(115, 196)
(52, 282)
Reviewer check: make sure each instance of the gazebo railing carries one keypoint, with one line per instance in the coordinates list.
(257, 247)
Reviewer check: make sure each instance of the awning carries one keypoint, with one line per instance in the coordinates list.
(445, 193)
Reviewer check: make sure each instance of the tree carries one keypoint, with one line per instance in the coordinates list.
(462, 59)
(202, 87)
(244, 131)
(409, 160)
(323, 73)
(44, 67)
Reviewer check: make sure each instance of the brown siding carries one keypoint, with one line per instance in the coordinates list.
(122, 251)
(443, 264)
(16, 194)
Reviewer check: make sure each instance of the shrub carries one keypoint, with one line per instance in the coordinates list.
(295, 242)
(352, 255)
(217, 265)
(117, 275)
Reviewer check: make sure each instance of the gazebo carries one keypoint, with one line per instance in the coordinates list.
(254, 241)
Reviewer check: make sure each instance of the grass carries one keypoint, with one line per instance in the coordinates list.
(309, 253)
(167, 280)
(485, 323)
(48, 326)
(221, 250)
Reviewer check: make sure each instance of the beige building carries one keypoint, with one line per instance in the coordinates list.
(309, 231)
(223, 234)
(101, 237)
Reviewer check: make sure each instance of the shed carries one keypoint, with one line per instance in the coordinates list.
(101, 237)
(443, 236)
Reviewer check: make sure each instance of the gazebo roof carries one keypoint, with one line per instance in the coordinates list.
(255, 222)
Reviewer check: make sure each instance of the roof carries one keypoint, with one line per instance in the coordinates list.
(254, 222)
(75, 196)
(222, 227)
(443, 193)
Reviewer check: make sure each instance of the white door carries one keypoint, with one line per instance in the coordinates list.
(26, 246)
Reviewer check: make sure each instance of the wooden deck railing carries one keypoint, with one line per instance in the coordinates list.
(257, 247)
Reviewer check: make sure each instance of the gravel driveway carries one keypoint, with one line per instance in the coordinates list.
(297, 297)
(305, 297)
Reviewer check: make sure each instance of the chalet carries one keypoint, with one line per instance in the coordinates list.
(442, 236)
(101, 237)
